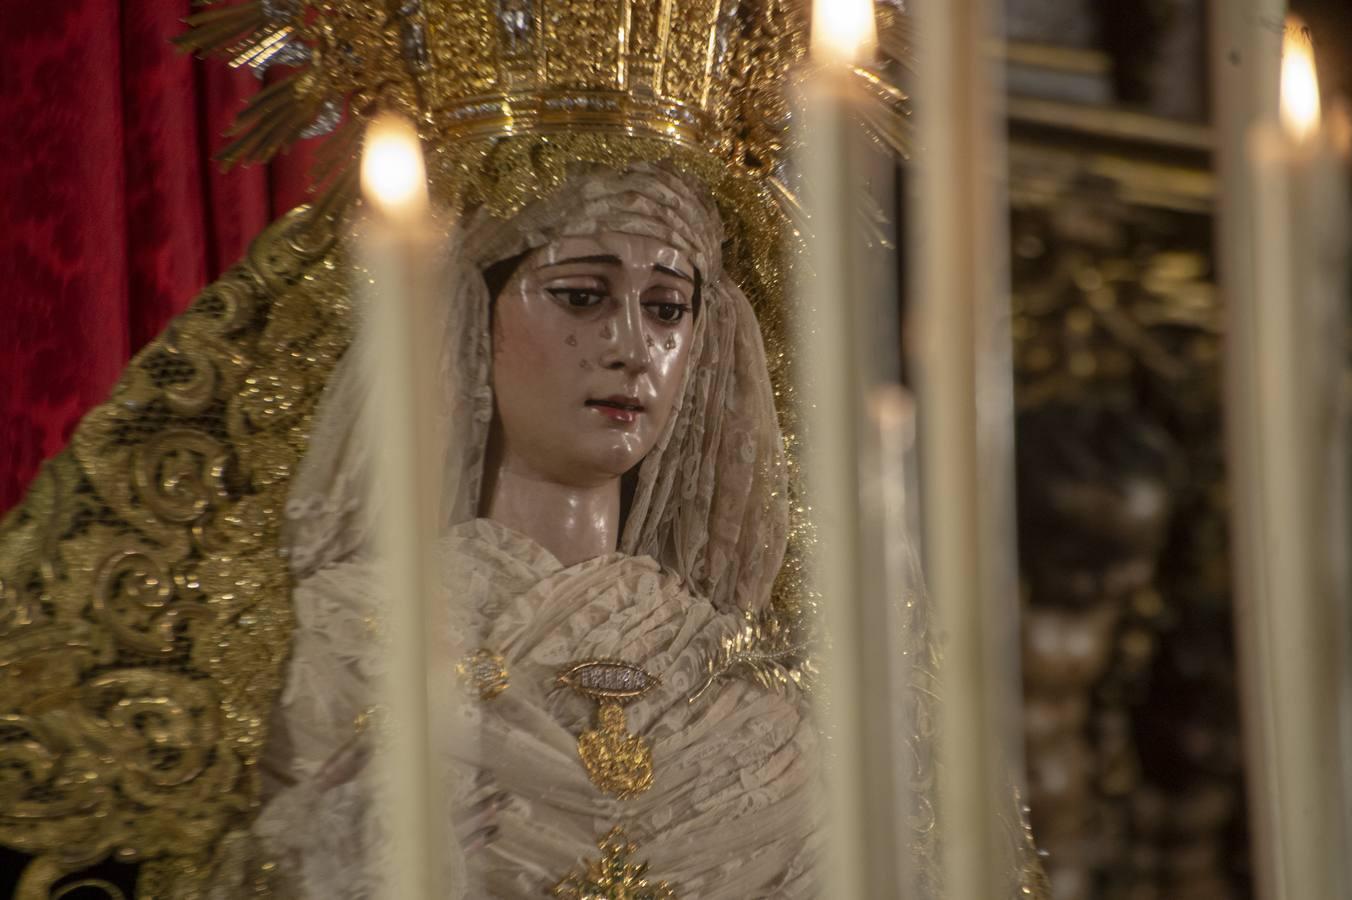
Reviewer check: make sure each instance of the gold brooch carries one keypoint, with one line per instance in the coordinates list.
(484, 672)
(613, 876)
(617, 762)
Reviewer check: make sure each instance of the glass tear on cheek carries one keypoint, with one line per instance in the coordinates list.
(571, 340)
(671, 343)
(649, 341)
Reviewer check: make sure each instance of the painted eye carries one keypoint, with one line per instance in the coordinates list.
(577, 298)
(670, 313)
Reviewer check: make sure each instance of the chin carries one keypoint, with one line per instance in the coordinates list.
(614, 459)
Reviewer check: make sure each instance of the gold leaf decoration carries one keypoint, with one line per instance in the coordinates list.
(765, 650)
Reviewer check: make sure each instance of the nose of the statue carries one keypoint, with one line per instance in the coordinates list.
(628, 348)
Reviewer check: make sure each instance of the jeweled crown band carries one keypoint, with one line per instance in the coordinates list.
(570, 111)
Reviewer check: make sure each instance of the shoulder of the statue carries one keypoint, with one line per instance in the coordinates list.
(144, 606)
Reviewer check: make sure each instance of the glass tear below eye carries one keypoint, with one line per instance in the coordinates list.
(571, 340)
(670, 342)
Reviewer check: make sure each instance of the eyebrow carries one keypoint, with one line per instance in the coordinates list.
(604, 259)
(607, 259)
(675, 273)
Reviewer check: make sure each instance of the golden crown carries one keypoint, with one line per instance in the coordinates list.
(711, 75)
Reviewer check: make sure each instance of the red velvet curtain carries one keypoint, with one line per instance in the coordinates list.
(114, 214)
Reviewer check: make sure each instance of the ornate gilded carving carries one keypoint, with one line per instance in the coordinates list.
(144, 606)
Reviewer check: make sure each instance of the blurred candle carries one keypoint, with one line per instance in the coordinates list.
(964, 399)
(1285, 359)
(831, 386)
(395, 245)
(852, 453)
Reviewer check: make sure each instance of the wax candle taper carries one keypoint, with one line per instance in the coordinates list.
(395, 245)
(842, 307)
(1284, 251)
(965, 413)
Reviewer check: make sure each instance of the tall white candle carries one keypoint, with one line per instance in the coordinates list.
(831, 387)
(856, 422)
(1285, 355)
(396, 246)
(964, 397)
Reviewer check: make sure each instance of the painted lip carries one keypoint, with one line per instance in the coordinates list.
(618, 408)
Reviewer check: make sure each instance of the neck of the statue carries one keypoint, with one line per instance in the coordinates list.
(573, 523)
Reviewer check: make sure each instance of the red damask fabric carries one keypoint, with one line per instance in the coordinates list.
(112, 213)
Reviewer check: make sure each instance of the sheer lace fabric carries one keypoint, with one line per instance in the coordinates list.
(731, 810)
(710, 501)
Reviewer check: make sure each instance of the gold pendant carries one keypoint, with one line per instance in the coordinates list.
(617, 762)
(613, 875)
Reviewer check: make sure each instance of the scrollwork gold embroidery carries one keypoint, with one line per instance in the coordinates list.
(144, 608)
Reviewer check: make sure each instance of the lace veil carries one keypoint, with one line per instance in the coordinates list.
(709, 502)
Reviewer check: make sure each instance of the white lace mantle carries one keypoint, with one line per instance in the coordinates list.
(730, 812)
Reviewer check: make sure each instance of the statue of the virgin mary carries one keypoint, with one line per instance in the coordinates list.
(621, 507)
(187, 595)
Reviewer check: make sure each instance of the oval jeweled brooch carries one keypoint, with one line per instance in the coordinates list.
(616, 761)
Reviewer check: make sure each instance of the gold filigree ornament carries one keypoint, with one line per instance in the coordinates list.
(617, 762)
(485, 673)
(613, 876)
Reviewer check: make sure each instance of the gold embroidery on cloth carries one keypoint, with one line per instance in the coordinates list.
(617, 762)
(613, 876)
(144, 606)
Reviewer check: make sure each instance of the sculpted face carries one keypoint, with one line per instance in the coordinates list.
(590, 343)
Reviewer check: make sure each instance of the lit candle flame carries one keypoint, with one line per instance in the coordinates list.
(1300, 83)
(393, 176)
(843, 31)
